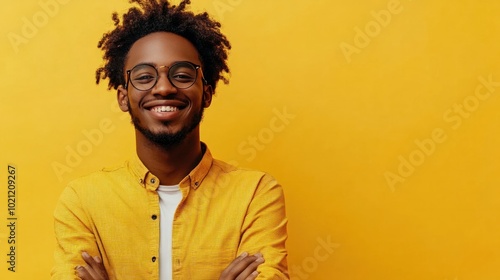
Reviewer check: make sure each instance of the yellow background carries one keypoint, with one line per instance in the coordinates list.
(368, 94)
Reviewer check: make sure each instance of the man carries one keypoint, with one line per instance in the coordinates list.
(173, 212)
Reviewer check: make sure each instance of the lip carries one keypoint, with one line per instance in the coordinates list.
(148, 105)
(164, 116)
(167, 115)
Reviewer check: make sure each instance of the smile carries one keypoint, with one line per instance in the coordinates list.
(160, 109)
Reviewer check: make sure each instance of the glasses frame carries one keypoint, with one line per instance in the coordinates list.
(195, 66)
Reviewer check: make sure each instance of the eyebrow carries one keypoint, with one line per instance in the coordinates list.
(156, 65)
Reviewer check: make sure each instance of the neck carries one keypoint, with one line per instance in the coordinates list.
(170, 164)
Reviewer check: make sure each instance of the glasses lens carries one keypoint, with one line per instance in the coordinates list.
(182, 74)
(143, 77)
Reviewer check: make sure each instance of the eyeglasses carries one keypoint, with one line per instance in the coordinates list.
(181, 75)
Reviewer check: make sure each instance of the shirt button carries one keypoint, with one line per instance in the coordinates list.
(153, 259)
(153, 181)
(154, 217)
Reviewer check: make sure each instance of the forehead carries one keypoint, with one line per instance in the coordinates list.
(161, 48)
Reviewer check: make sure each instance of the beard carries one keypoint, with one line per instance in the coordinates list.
(168, 139)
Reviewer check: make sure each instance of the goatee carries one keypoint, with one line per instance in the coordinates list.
(168, 139)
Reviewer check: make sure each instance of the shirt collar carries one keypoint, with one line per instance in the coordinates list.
(193, 179)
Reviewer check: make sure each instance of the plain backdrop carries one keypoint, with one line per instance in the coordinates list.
(380, 118)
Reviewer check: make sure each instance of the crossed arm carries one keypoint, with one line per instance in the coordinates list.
(263, 230)
(244, 267)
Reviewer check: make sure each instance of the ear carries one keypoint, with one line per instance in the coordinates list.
(208, 92)
(122, 97)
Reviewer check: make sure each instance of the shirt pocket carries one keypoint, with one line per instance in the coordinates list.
(208, 263)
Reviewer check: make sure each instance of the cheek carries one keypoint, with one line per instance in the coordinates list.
(133, 100)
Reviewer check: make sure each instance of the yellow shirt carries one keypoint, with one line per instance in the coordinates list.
(224, 212)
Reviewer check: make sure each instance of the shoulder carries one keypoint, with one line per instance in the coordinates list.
(106, 177)
(239, 174)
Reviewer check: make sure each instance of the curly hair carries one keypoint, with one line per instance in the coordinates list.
(160, 16)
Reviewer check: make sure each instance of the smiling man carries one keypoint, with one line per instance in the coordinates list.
(173, 211)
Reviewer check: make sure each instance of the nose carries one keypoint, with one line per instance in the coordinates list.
(163, 85)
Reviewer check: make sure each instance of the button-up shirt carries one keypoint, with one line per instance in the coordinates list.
(224, 211)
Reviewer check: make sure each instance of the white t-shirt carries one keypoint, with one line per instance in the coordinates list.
(170, 197)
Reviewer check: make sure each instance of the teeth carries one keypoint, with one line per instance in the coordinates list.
(164, 109)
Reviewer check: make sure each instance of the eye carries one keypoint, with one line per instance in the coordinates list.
(144, 78)
(183, 77)
(182, 73)
(143, 73)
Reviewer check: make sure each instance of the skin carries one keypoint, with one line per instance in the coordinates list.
(94, 270)
(170, 163)
(244, 267)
